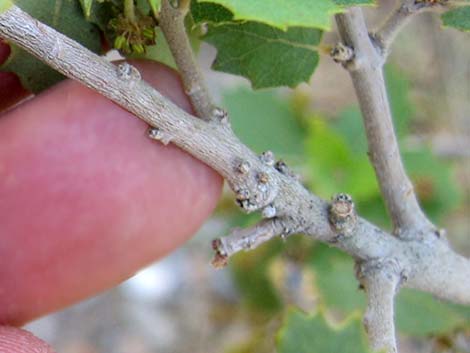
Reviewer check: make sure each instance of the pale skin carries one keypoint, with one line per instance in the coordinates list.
(86, 199)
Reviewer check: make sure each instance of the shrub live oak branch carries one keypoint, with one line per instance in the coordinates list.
(416, 255)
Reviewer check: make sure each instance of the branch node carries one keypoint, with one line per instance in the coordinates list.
(243, 167)
(263, 177)
(158, 135)
(127, 72)
(267, 158)
(389, 267)
(244, 202)
(342, 214)
(220, 115)
(243, 194)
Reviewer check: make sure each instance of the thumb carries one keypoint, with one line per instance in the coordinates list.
(15, 340)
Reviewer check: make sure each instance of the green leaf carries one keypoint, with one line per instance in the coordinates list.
(334, 166)
(208, 12)
(267, 56)
(349, 122)
(349, 125)
(419, 314)
(335, 279)
(161, 51)
(250, 273)
(373, 209)
(283, 14)
(5, 5)
(398, 88)
(101, 13)
(302, 333)
(155, 6)
(264, 121)
(65, 16)
(433, 182)
(458, 18)
(86, 6)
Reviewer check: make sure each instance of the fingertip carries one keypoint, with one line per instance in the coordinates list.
(100, 199)
(15, 340)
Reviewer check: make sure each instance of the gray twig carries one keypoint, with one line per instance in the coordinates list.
(367, 76)
(386, 33)
(172, 24)
(262, 184)
(380, 281)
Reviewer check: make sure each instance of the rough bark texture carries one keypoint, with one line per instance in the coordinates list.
(380, 283)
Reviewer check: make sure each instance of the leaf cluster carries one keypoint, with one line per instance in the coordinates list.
(274, 43)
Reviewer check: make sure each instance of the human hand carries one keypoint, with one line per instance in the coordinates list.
(86, 199)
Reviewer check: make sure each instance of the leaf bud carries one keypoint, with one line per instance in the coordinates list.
(342, 214)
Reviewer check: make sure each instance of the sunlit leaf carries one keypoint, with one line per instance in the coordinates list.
(264, 121)
(284, 14)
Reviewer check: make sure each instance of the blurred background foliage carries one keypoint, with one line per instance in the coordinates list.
(295, 295)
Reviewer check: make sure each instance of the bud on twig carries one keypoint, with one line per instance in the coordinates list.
(342, 214)
(342, 53)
